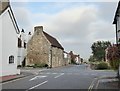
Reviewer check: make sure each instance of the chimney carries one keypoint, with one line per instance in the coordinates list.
(38, 29)
(23, 37)
(29, 33)
(29, 36)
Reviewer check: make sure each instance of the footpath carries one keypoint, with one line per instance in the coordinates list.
(23, 73)
(108, 83)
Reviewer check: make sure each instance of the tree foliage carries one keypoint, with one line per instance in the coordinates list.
(113, 56)
(98, 50)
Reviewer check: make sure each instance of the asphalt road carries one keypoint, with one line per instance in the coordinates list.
(68, 77)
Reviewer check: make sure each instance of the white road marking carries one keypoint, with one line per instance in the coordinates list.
(92, 85)
(36, 73)
(37, 77)
(37, 85)
(48, 73)
(54, 73)
(97, 84)
(59, 75)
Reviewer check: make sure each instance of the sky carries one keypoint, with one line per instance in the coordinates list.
(75, 24)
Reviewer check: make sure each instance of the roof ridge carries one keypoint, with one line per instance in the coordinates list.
(54, 42)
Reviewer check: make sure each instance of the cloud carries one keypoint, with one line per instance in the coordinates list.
(75, 27)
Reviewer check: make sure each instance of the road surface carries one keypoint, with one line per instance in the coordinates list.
(67, 77)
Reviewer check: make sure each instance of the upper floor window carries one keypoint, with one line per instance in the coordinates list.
(19, 43)
(25, 45)
(11, 59)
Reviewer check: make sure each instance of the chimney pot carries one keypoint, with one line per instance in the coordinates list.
(38, 29)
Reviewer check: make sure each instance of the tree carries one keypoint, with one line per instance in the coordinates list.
(98, 50)
(113, 57)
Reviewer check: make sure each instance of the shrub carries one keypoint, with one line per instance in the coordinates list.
(102, 65)
(40, 65)
(29, 66)
(113, 56)
(19, 66)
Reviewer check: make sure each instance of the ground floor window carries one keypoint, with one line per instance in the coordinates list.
(11, 59)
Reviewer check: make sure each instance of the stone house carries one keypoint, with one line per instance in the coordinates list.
(9, 42)
(75, 58)
(42, 48)
(67, 58)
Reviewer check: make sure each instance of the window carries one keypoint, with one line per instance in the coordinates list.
(119, 40)
(19, 43)
(11, 59)
(24, 45)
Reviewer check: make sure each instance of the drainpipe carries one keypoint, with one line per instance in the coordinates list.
(116, 36)
(116, 30)
(51, 57)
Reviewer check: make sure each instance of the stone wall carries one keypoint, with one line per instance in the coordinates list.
(38, 49)
(57, 57)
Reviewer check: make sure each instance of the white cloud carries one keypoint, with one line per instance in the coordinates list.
(76, 28)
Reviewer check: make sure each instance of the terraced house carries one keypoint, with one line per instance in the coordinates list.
(42, 48)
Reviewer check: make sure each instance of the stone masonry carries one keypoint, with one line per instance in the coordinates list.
(44, 49)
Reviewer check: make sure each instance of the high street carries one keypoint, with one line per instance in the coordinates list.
(68, 77)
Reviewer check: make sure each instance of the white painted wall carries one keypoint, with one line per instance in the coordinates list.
(118, 27)
(9, 45)
(21, 55)
(0, 46)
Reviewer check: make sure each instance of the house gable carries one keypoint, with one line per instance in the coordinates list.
(117, 13)
(50, 39)
(53, 41)
(6, 8)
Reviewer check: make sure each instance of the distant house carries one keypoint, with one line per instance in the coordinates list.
(117, 23)
(10, 31)
(44, 49)
(75, 58)
(67, 58)
(22, 43)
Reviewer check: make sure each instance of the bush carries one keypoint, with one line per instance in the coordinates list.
(102, 65)
(19, 66)
(29, 66)
(113, 56)
(40, 65)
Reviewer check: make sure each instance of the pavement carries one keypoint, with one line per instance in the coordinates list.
(111, 83)
(23, 73)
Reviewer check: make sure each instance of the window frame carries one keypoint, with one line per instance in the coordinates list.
(11, 59)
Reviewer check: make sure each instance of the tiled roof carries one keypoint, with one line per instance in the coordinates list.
(53, 41)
